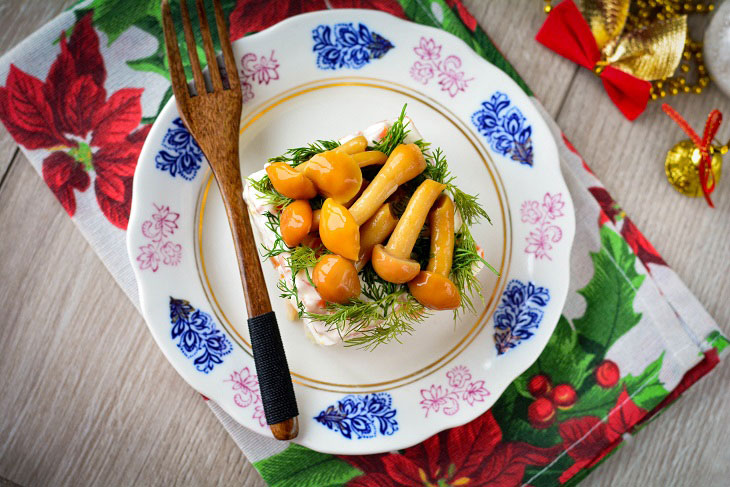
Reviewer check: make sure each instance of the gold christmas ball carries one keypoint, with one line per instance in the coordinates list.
(682, 168)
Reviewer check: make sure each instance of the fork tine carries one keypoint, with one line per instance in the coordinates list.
(215, 74)
(177, 72)
(220, 22)
(192, 49)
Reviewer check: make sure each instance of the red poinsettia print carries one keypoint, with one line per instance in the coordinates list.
(610, 210)
(86, 131)
(253, 16)
(464, 14)
(588, 439)
(473, 455)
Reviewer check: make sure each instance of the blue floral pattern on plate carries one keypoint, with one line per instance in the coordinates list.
(363, 415)
(180, 154)
(347, 46)
(197, 335)
(520, 311)
(505, 128)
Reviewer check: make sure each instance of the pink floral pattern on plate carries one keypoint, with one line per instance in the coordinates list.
(543, 215)
(258, 69)
(432, 65)
(161, 250)
(246, 387)
(448, 398)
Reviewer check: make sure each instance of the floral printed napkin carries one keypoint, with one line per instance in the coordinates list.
(79, 97)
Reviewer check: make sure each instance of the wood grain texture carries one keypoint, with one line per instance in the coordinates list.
(19, 19)
(213, 119)
(512, 26)
(74, 413)
(88, 399)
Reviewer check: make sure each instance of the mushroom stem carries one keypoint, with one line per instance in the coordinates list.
(354, 145)
(375, 231)
(404, 163)
(432, 287)
(370, 158)
(441, 221)
(315, 220)
(404, 236)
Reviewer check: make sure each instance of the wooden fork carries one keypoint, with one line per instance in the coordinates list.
(213, 119)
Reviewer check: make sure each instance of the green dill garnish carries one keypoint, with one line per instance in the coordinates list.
(279, 247)
(271, 196)
(389, 311)
(395, 135)
(299, 258)
(423, 145)
(384, 311)
(467, 204)
(466, 257)
(298, 155)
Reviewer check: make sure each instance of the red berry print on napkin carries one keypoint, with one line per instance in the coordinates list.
(86, 132)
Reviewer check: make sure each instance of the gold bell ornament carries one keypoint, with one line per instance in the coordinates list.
(694, 166)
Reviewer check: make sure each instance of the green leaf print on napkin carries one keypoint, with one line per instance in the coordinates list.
(298, 466)
(717, 341)
(574, 354)
(114, 17)
(610, 294)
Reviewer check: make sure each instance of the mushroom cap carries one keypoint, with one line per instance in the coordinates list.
(335, 279)
(391, 268)
(295, 222)
(338, 230)
(335, 174)
(435, 291)
(290, 182)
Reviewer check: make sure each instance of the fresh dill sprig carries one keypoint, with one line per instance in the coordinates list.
(387, 312)
(298, 155)
(395, 135)
(278, 247)
(423, 145)
(367, 324)
(271, 196)
(299, 258)
(463, 269)
(467, 204)
(436, 166)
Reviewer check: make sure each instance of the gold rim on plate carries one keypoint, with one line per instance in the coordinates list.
(480, 322)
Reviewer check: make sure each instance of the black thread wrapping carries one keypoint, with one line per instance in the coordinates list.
(277, 390)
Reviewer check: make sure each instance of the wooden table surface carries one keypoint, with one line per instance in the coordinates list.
(71, 412)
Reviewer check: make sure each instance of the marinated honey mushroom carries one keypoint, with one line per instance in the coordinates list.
(393, 262)
(432, 287)
(354, 233)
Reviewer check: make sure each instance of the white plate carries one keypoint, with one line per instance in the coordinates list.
(323, 75)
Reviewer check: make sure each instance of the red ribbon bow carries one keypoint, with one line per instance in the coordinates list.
(566, 32)
(707, 178)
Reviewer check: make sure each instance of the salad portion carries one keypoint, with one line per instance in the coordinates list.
(369, 233)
